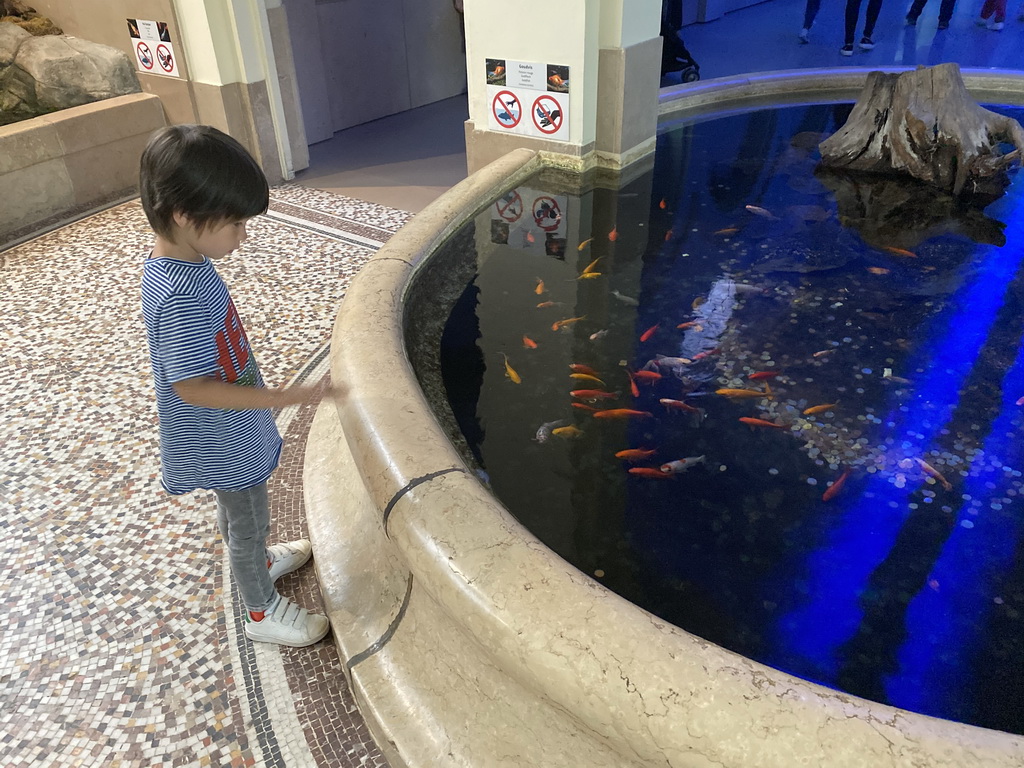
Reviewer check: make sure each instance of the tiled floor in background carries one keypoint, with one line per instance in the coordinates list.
(122, 641)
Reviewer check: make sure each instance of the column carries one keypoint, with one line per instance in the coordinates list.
(579, 78)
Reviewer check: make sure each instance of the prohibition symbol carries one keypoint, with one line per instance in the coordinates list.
(145, 55)
(163, 55)
(507, 109)
(510, 207)
(546, 213)
(547, 114)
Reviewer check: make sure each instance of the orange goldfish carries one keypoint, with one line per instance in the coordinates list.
(726, 231)
(559, 324)
(530, 238)
(823, 352)
(593, 394)
(740, 394)
(583, 407)
(761, 423)
(820, 408)
(586, 377)
(590, 267)
(540, 287)
(879, 270)
(760, 375)
(584, 244)
(900, 252)
(930, 470)
(648, 377)
(567, 432)
(556, 80)
(546, 304)
(619, 413)
(529, 343)
(832, 491)
(663, 205)
(614, 234)
(668, 235)
(633, 388)
(697, 302)
(691, 324)
(649, 472)
(648, 333)
(635, 454)
(759, 211)
(580, 368)
(511, 372)
(681, 465)
(678, 405)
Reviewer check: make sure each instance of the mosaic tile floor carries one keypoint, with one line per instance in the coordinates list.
(122, 642)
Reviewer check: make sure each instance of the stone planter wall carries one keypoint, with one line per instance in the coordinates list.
(54, 166)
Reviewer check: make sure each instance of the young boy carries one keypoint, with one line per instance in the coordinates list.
(199, 187)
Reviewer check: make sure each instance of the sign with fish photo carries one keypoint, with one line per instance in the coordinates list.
(515, 88)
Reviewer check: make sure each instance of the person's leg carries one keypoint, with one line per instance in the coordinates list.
(874, 7)
(946, 12)
(244, 518)
(852, 12)
(986, 9)
(811, 12)
(999, 11)
(915, 10)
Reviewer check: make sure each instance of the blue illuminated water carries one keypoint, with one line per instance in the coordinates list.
(896, 588)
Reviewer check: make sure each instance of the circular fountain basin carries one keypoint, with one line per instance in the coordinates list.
(468, 642)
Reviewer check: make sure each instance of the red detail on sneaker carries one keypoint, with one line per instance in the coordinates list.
(269, 563)
(257, 615)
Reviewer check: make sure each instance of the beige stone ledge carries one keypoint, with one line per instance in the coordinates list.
(74, 158)
(468, 643)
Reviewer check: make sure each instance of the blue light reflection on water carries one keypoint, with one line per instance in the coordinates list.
(838, 572)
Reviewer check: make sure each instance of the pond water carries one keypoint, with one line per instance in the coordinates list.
(865, 533)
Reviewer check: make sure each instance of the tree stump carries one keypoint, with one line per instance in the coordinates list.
(924, 124)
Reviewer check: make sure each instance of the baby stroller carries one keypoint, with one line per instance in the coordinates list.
(676, 58)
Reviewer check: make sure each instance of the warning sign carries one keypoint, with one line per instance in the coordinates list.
(510, 207)
(154, 51)
(544, 226)
(547, 213)
(515, 86)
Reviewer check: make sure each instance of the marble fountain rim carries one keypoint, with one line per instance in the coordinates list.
(416, 478)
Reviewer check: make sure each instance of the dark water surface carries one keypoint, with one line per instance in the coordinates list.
(907, 585)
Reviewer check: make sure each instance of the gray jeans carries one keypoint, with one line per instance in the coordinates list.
(244, 521)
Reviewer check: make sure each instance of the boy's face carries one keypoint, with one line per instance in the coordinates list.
(215, 241)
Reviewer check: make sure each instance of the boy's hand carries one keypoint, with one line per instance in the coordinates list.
(336, 393)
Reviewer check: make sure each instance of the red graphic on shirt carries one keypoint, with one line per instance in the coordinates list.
(232, 346)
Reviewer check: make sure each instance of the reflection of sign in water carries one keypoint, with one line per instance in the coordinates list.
(547, 114)
(546, 213)
(510, 207)
(145, 55)
(507, 109)
(164, 56)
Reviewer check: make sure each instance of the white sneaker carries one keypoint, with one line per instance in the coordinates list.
(995, 26)
(287, 557)
(805, 35)
(287, 624)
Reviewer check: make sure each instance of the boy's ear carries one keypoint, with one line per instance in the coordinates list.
(181, 219)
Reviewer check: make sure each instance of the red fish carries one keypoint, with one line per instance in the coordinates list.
(833, 490)
(529, 343)
(763, 375)
(614, 234)
(648, 333)
(702, 355)
(663, 205)
(900, 252)
(593, 394)
(633, 388)
(619, 413)
(580, 368)
(649, 472)
(684, 326)
(635, 454)
(761, 423)
(726, 231)
(668, 235)
(583, 407)
(530, 238)
(647, 377)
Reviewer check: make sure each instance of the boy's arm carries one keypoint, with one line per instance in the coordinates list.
(207, 392)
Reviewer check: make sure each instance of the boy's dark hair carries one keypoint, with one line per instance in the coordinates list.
(202, 173)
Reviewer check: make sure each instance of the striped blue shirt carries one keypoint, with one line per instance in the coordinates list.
(194, 330)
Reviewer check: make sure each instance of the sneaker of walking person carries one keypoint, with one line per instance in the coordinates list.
(847, 50)
(866, 43)
(995, 26)
(805, 35)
